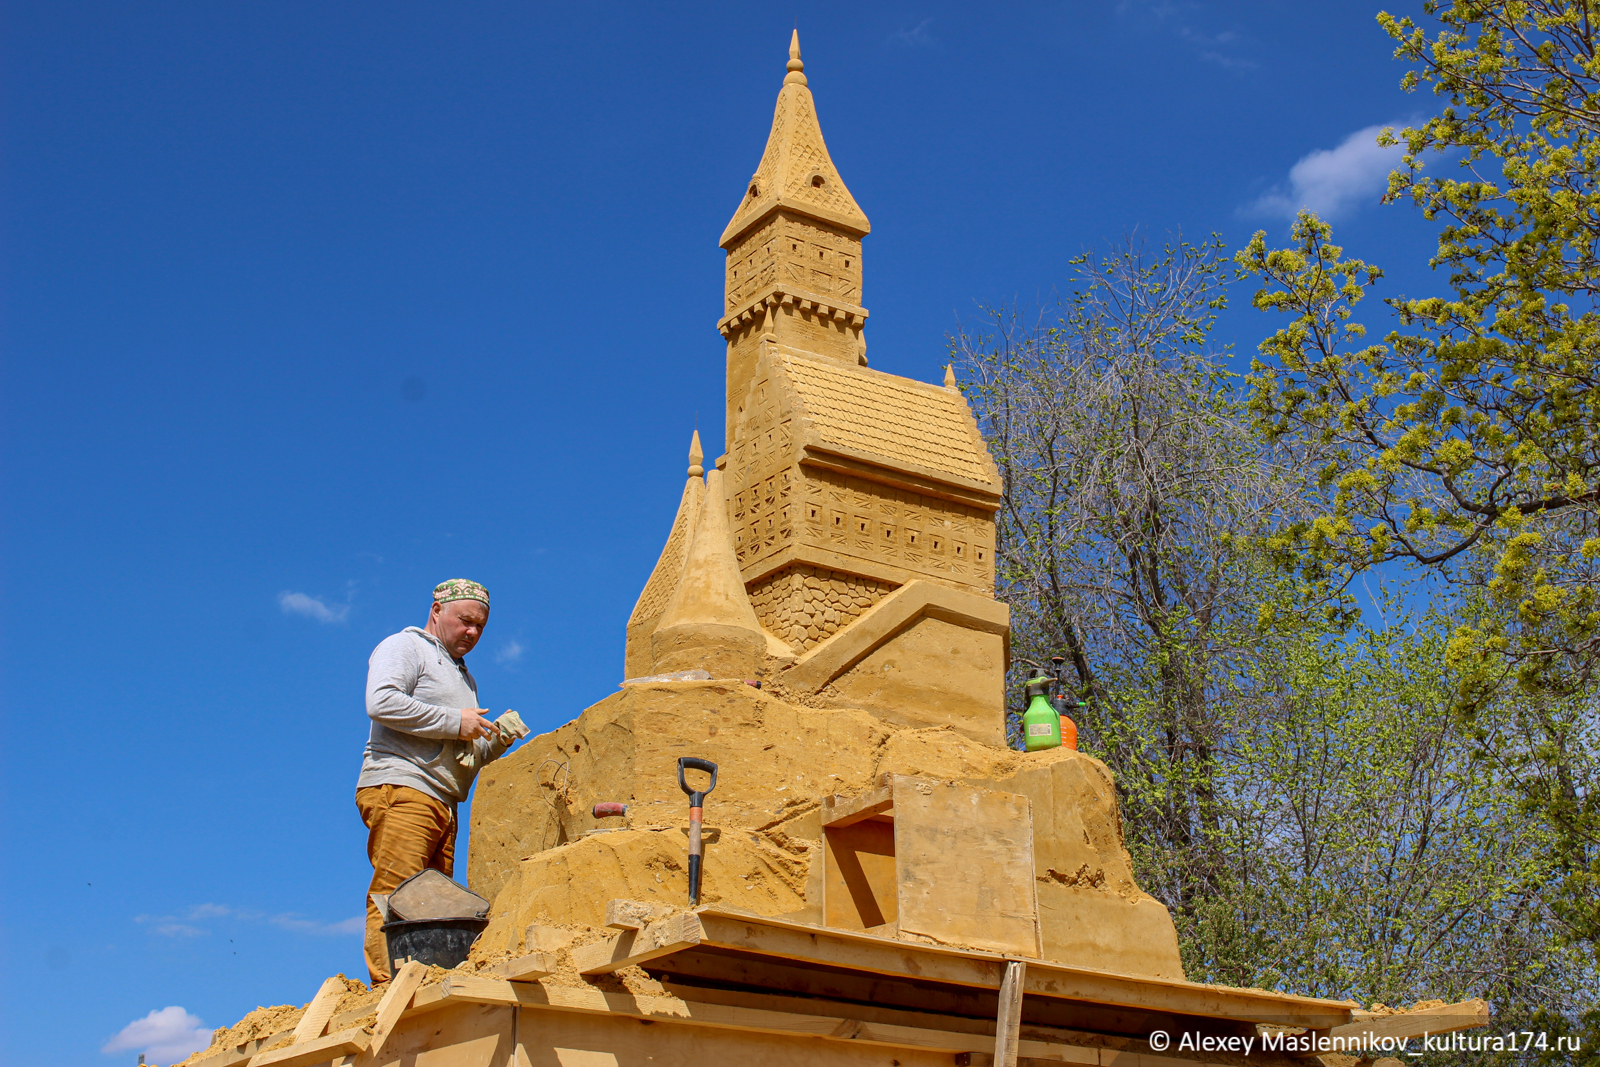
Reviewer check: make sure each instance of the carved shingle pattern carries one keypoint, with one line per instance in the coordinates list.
(808, 153)
(877, 414)
(664, 579)
(795, 152)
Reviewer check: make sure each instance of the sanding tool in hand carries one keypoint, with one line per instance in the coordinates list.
(697, 801)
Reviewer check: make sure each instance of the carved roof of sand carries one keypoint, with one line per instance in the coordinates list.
(796, 171)
(912, 425)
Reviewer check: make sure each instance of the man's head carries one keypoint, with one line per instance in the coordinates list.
(459, 613)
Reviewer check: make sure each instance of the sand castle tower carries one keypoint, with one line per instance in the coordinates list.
(840, 554)
(860, 504)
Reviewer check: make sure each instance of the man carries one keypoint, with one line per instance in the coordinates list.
(428, 739)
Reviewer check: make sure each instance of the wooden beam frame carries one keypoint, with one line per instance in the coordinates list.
(630, 947)
(306, 1053)
(396, 999)
(529, 968)
(840, 811)
(1008, 1020)
(1354, 1037)
(866, 952)
(315, 1018)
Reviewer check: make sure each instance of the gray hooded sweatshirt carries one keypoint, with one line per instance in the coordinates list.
(415, 693)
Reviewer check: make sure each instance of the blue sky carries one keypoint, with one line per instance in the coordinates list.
(307, 307)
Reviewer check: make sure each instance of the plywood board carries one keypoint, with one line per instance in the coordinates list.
(965, 865)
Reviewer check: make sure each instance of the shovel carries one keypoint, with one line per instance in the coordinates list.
(697, 799)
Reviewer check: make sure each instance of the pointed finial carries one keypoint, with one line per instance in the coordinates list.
(949, 375)
(795, 77)
(696, 456)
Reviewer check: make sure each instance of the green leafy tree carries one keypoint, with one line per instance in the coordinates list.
(1468, 442)
(1295, 791)
(1131, 474)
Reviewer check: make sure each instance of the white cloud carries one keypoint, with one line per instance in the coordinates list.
(1331, 181)
(915, 37)
(164, 1036)
(311, 607)
(179, 930)
(510, 652)
(1180, 18)
(355, 925)
(180, 925)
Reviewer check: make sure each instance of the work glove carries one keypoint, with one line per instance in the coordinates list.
(512, 728)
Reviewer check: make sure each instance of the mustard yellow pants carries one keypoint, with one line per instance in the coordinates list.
(407, 830)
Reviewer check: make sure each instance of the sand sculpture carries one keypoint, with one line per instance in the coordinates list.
(885, 881)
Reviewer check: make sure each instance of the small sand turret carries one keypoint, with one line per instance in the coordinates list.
(708, 623)
(663, 580)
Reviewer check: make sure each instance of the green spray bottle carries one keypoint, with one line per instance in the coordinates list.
(1041, 725)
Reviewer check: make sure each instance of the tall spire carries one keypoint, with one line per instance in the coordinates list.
(796, 75)
(793, 270)
(696, 456)
(796, 171)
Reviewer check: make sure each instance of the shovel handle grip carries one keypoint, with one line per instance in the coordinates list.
(697, 764)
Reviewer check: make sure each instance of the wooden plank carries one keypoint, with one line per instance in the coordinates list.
(1360, 1034)
(1008, 1019)
(700, 1013)
(527, 968)
(317, 1050)
(833, 1021)
(833, 1027)
(633, 914)
(396, 999)
(992, 905)
(319, 1011)
(843, 948)
(985, 1059)
(936, 963)
(839, 811)
(664, 936)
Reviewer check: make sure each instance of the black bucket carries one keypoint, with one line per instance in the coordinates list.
(436, 942)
